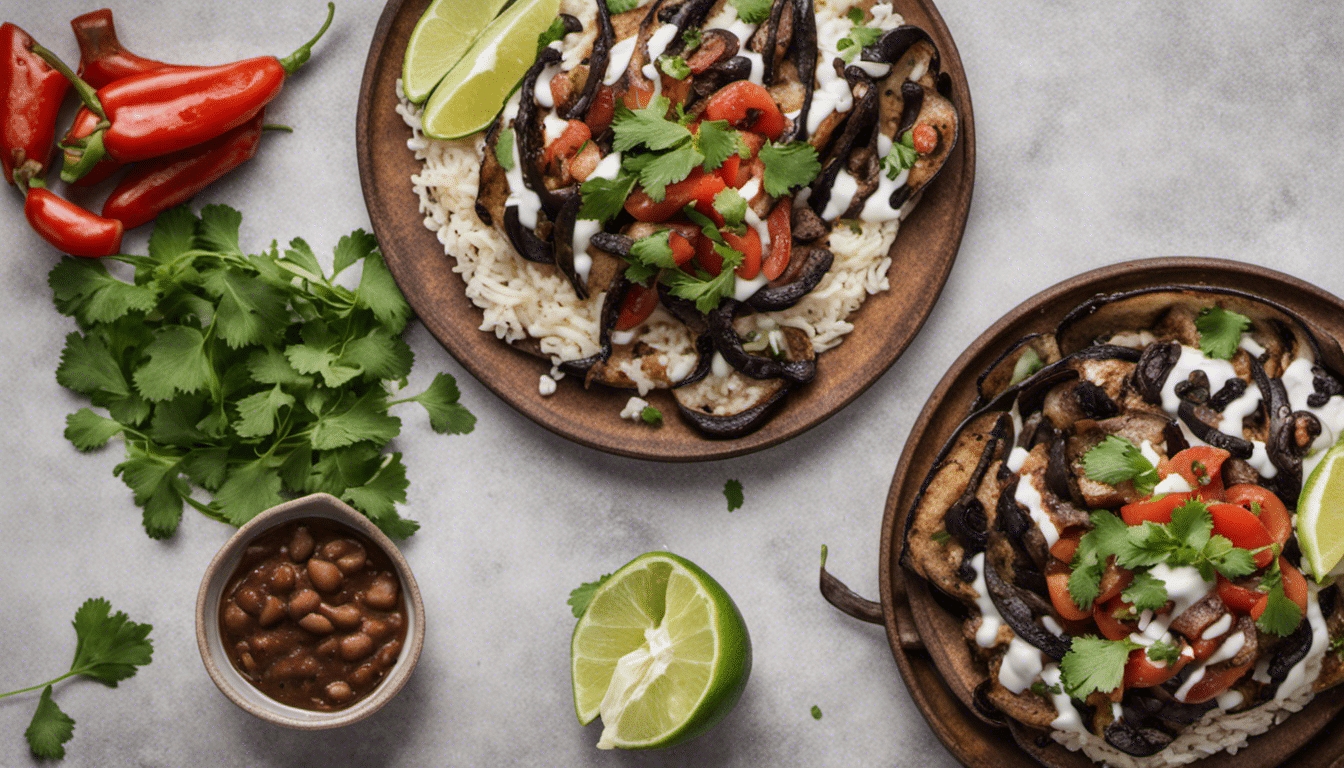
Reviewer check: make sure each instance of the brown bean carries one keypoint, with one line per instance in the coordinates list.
(344, 616)
(364, 674)
(296, 666)
(352, 562)
(387, 655)
(357, 646)
(334, 549)
(375, 628)
(304, 603)
(272, 612)
(317, 624)
(382, 594)
(339, 691)
(301, 546)
(236, 620)
(282, 578)
(329, 647)
(266, 643)
(249, 663)
(249, 600)
(325, 576)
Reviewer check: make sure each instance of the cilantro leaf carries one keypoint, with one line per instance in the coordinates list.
(83, 289)
(603, 198)
(902, 156)
(1281, 615)
(732, 491)
(1094, 664)
(731, 206)
(1164, 652)
(108, 648)
(655, 250)
(504, 149)
(706, 290)
(351, 248)
(49, 729)
(752, 11)
(1107, 536)
(87, 430)
(553, 33)
(657, 171)
(582, 595)
(647, 126)
(1220, 331)
(651, 416)
(788, 166)
(674, 67)
(446, 415)
(88, 367)
(621, 6)
(717, 142)
(1145, 592)
(1115, 460)
(249, 490)
(249, 310)
(355, 420)
(379, 495)
(258, 412)
(218, 229)
(174, 234)
(379, 293)
(177, 363)
(816, 712)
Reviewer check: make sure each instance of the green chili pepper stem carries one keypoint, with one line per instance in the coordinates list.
(87, 93)
(90, 154)
(298, 58)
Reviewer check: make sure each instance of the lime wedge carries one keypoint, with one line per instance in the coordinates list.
(661, 654)
(1320, 514)
(440, 38)
(471, 94)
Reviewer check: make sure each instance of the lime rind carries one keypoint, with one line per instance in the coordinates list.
(1320, 515)
(687, 655)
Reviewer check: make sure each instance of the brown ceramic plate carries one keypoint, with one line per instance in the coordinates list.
(884, 327)
(928, 643)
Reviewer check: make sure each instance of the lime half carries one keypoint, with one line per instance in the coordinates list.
(1320, 514)
(440, 38)
(661, 654)
(471, 94)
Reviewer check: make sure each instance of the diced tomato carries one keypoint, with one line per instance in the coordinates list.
(638, 94)
(924, 137)
(749, 245)
(1243, 529)
(1240, 596)
(1112, 628)
(1201, 466)
(561, 89)
(748, 106)
(1066, 545)
(1057, 579)
(1205, 646)
(1294, 586)
(683, 250)
(1157, 509)
(728, 171)
(1213, 684)
(639, 303)
(708, 258)
(1273, 513)
(602, 110)
(1143, 672)
(582, 165)
(780, 227)
(1114, 579)
(575, 135)
(699, 187)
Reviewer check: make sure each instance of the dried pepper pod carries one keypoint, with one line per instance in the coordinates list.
(102, 58)
(156, 185)
(33, 91)
(72, 229)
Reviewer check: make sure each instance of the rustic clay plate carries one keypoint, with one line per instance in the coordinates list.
(885, 324)
(927, 641)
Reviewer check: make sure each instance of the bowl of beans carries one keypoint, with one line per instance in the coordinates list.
(309, 616)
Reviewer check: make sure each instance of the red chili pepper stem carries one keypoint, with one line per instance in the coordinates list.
(87, 93)
(299, 57)
(90, 151)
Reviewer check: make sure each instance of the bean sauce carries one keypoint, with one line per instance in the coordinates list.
(313, 616)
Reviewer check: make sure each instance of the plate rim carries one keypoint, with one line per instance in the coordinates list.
(941, 708)
(637, 441)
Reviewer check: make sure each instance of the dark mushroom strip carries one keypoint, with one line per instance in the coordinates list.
(718, 75)
(728, 344)
(734, 424)
(1240, 448)
(804, 59)
(966, 519)
(1287, 653)
(1014, 604)
(1154, 366)
(1281, 445)
(531, 138)
(562, 235)
(598, 60)
(893, 44)
(1233, 389)
(807, 266)
(525, 241)
(1138, 741)
(862, 117)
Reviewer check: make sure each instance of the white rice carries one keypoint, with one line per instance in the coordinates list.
(520, 299)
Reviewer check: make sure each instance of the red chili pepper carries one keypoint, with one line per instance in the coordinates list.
(102, 59)
(83, 126)
(170, 109)
(33, 91)
(156, 185)
(70, 228)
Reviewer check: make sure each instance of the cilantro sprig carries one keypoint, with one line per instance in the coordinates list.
(253, 377)
(732, 491)
(1220, 331)
(860, 36)
(108, 648)
(902, 156)
(1094, 664)
(752, 11)
(1281, 615)
(1115, 460)
(582, 595)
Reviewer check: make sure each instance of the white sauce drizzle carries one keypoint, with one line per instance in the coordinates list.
(619, 60)
(1028, 496)
(990, 621)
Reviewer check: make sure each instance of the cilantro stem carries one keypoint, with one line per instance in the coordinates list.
(40, 686)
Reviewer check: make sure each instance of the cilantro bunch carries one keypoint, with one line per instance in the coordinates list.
(108, 649)
(251, 376)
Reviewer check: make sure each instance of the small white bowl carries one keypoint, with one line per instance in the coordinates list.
(234, 685)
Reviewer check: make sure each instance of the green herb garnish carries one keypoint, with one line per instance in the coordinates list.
(504, 149)
(674, 66)
(255, 377)
(1281, 615)
(1220, 332)
(108, 648)
(651, 416)
(1115, 460)
(1094, 664)
(582, 595)
(902, 156)
(732, 491)
(621, 6)
(816, 712)
(788, 166)
(752, 11)
(553, 33)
